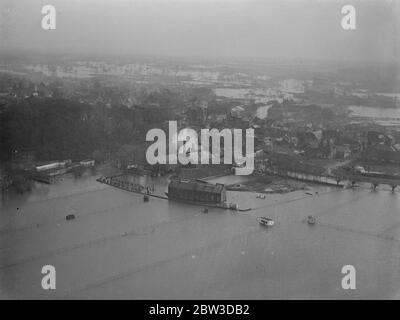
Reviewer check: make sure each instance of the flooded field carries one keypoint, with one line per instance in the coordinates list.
(119, 246)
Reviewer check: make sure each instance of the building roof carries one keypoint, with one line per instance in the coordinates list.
(196, 185)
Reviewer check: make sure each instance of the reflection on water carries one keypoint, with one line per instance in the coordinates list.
(121, 247)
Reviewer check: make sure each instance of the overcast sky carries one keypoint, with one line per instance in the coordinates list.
(302, 29)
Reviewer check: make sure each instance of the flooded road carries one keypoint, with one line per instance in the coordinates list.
(122, 247)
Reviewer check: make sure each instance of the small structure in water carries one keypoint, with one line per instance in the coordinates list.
(146, 198)
(197, 191)
(266, 222)
(311, 220)
(70, 217)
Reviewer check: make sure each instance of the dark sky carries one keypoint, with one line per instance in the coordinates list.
(288, 29)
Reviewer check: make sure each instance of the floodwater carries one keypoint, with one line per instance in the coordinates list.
(388, 116)
(122, 247)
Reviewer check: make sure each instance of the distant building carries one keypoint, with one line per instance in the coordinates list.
(52, 165)
(196, 191)
(197, 112)
(87, 163)
(238, 111)
(375, 137)
(341, 152)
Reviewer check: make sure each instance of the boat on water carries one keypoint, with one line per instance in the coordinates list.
(311, 220)
(264, 221)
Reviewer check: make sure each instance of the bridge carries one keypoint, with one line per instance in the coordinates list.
(338, 176)
(375, 181)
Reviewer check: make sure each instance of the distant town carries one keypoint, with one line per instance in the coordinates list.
(70, 113)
